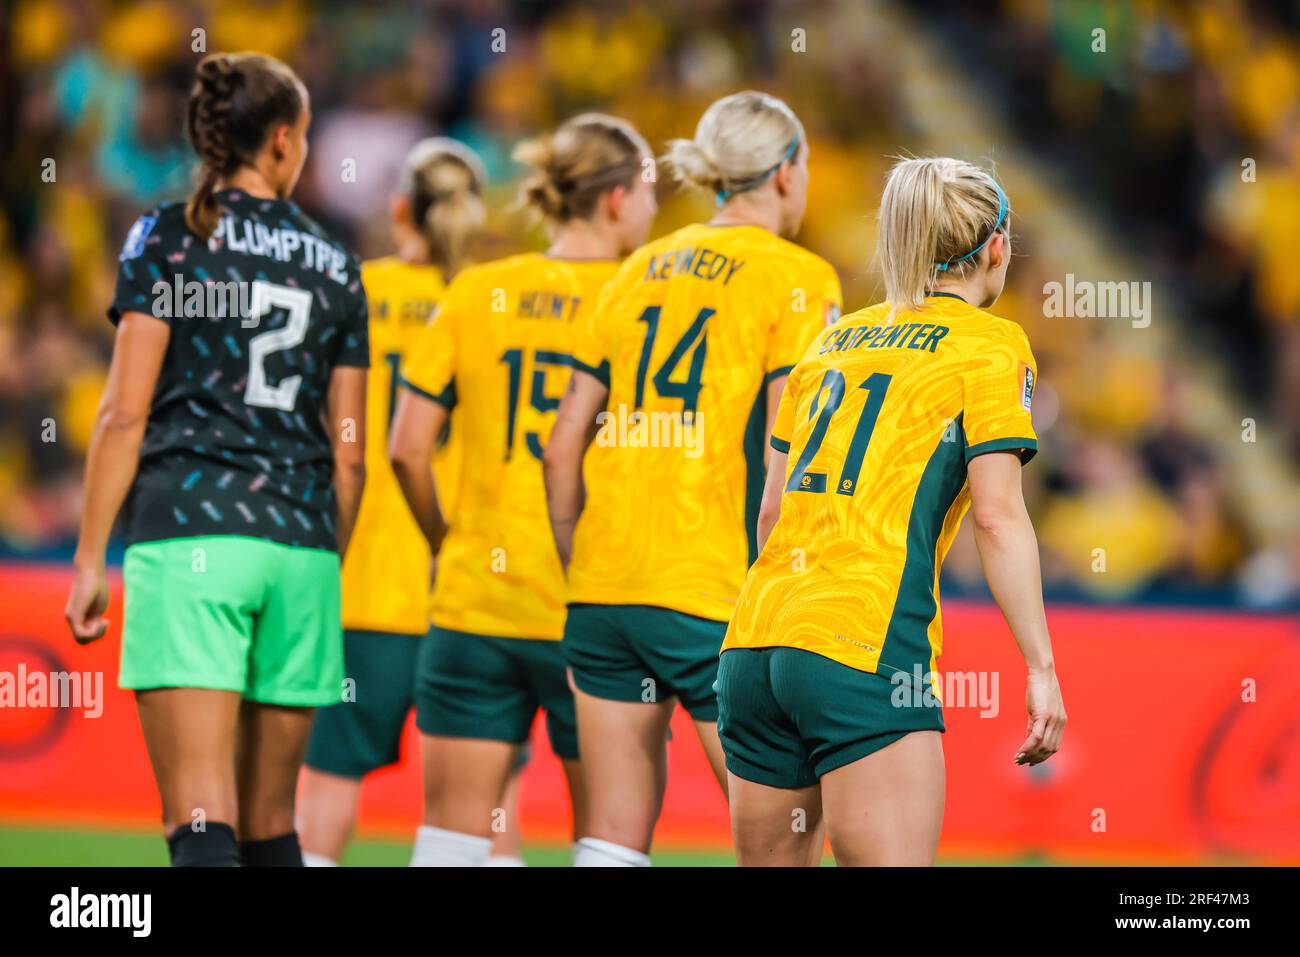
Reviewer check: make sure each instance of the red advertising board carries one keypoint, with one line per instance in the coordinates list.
(1183, 744)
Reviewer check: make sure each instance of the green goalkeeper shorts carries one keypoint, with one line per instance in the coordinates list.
(233, 614)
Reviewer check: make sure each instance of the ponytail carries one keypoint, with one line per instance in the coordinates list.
(739, 143)
(570, 169)
(936, 216)
(444, 181)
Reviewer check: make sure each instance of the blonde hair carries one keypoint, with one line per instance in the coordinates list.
(739, 142)
(444, 180)
(936, 216)
(573, 167)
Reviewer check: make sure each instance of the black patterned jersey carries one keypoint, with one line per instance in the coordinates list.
(260, 316)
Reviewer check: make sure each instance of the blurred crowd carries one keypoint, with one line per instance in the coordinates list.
(1183, 121)
(95, 93)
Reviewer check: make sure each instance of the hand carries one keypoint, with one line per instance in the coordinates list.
(87, 602)
(1046, 718)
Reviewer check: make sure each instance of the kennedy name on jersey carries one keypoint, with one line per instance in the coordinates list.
(699, 262)
(283, 244)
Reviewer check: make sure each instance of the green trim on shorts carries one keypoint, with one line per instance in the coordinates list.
(233, 613)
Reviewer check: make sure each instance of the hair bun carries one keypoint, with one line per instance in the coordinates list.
(695, 165)
(570, 169)
(738, 142)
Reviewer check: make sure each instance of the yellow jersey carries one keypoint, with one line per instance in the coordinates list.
(385, 574)
(498, 352)
(688, 336)
(879, 420)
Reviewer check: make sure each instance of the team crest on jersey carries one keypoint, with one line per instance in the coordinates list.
(1026, 386)
(832, 313)
(140, 231)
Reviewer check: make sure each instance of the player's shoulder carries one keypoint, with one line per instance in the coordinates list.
(519, 264)
(765, 254)
(998, 329)
(788, 252)
(380, 267)
(636, 262)
(497, 272)
(537, 270)
(162, 226)
(307, 224)
(393, 270)
(867, 316)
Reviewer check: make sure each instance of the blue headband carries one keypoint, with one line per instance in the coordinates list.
(744, 186)
(1002, 215)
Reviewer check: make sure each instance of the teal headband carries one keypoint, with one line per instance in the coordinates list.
(745, 186)
(1002, 216)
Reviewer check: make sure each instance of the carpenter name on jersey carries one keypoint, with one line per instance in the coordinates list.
(260, 316)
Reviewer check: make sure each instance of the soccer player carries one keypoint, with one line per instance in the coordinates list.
(677, 379)
(232, 427)
(498, 352)
(437, 208)
(896, 421)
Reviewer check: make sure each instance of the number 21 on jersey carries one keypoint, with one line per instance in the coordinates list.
(832, 387)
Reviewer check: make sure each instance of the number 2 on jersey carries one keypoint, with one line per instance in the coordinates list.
(297, 303)
(832, 384)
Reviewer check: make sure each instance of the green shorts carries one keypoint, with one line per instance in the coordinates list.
(363, 732)
(481, 686)
(233, 614)
(787, 716)
(647, 654)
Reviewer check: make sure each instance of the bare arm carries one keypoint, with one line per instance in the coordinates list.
(1009, 552)
(417, 423)
(111, 462)
(775, 389)
(346, 421)
(770, 508)
(575, 426)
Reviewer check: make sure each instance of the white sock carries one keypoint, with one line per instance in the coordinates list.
(593, 852)
(436, 847)
(505, 860)
(317, 860)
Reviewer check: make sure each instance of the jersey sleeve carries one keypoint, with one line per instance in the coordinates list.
(354, 350)
(998, 386)
(807, 310)
(429, 368)
(141, 264)
(590, 343)
(783, 426)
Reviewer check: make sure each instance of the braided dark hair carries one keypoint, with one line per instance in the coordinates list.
(236, 100)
